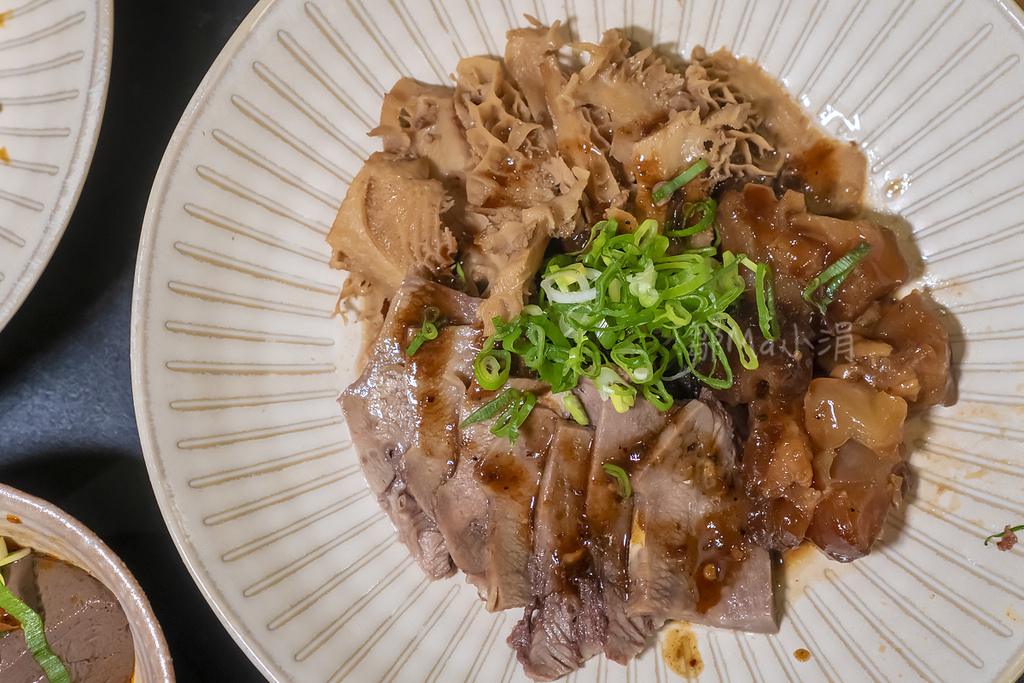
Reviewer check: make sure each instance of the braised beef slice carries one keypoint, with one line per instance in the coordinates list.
(402, 412)
(485, 510)
(690, 556)
(558, 632)
(620, 439)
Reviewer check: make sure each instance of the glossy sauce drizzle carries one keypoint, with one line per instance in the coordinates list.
(679, 650)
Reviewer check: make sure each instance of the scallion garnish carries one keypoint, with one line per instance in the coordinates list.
(509, 410)
(623, 312)
(31, 624)
(764, 294)
(576, 410)
(706, 209)
(427, 332)
(619, 474)
(492, 366)
(611, 386)
(829, 280)
(1013, 529)
(680, 180)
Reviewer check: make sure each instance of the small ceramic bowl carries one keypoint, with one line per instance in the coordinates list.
(43, 527)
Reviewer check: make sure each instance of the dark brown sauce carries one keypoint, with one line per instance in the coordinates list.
(515, 471)
(759, 210)
(502, 471)
(718, 554)
(816, 166)
(679, 650)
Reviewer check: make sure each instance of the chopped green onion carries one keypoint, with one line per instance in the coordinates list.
(507, 422)
(832, 277)
(764, 293)
(509, 410)
(427, 332)
(31, 624)
(458, 271)
(706, 209)
(611, 386)
(658, 395)
(491, 368)
(1002, 533)
(576, 410)
(624, 312)
(677, 182)
(625, 490)
(491, 408)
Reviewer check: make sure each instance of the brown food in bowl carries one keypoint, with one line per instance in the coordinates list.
(84, 624)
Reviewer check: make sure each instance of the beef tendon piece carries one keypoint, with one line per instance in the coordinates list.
(857, 434)
(799, 245)
(902, 350)
(784, 365)
(779, 475)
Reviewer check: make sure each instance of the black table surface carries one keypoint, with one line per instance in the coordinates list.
(67, 423)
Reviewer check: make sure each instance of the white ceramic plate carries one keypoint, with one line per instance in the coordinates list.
(54, 65)
(238, 359)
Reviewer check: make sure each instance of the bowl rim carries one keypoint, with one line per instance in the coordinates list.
(20, 509)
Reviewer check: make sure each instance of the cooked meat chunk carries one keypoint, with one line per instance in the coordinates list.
(784, 365)
(857, 434)
(901, 348)
(778, 470)
(1008, 539)
(799, 245)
